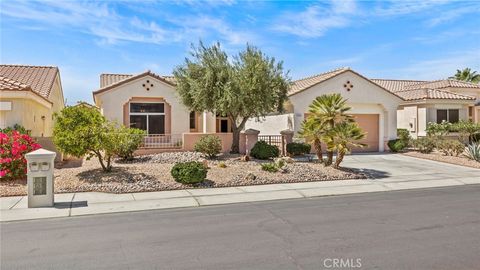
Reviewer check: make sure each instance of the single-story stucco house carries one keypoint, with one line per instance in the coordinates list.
(149, 101)
(380, 106)
(29, 96)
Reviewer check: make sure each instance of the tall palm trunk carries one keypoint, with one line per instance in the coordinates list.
(340, 155)
(318, 149)
(329, 158)
(329, 152)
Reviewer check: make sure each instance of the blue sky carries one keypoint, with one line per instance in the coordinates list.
(386, 39)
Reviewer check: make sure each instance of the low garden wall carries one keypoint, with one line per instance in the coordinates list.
(190, 139)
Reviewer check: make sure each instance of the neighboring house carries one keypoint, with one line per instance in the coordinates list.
(433, 101)
(380, 106)
(149, 101)
(374, 107)
(29, 96)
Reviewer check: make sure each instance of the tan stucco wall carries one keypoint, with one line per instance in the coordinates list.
(112, 101)
(190, 139)
(271, 124)
(364, 98)
(29, 109)
(28, 113)
(415, 117)
(475, 92)
(206, 122)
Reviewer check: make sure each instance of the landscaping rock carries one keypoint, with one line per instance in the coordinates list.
(250, 177)
(152, 173)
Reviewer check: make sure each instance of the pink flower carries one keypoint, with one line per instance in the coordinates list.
(3, 173)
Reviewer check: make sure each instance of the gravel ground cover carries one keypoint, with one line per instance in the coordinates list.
(437, 156)
(152, 173)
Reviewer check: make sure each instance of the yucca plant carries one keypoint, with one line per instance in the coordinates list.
(473, 151)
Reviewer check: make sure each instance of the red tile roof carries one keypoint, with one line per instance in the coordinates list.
(107, 79)
(395, 85)
(110, 81)
(439, 84)
(39, 78)
(8, 84)
(425, 93)
(304, 83)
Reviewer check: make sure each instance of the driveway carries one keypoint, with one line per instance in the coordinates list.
(396, 167)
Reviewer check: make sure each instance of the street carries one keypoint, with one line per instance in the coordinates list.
(416, 229)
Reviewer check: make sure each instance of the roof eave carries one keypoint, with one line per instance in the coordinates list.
(146, 73)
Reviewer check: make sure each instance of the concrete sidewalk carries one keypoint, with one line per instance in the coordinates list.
(91, 203)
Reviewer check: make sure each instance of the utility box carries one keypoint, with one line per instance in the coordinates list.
(40, 165)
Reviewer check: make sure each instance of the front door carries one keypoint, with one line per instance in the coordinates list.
(224, 126)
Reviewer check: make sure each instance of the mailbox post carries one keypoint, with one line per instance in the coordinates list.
(40, 178)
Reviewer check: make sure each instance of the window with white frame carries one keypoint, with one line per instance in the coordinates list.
(148, 116)
(448, 115)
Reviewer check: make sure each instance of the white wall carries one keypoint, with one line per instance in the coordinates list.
(271, 124)
(364, 98)
(111, 102)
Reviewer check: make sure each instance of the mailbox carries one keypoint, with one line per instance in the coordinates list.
(40, 165)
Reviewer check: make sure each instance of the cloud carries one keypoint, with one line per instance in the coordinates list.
(316, 20)
(450, 35)
(399, 8)
(454, 13)
(101, 19)
(440, 68)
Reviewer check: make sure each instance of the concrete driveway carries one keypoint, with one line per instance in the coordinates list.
(396, 167)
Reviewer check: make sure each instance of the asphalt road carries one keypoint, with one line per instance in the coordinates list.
(419, 229)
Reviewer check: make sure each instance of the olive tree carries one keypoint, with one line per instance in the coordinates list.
(250, 85)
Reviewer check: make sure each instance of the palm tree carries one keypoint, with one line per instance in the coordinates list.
(327, 111)
(312, 131)
(343, 137)
(466, 75)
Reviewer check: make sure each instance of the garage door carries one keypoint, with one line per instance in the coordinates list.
(369, 124)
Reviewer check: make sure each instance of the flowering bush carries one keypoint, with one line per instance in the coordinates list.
(13, 147)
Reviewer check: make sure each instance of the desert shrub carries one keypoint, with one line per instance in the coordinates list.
(467, 130)
(189, 172)
(209, 145)
(450, 147)
(404, 136)
(396, 145)
(438, 130)
(83, 131)
(473, 151)
(16, 127)
(424, 144)
(262, 150)
(280, 162)
(222, 165)
(476, 138)
(13, 147)
(128, 140)
(296, 149)
(270, 167)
